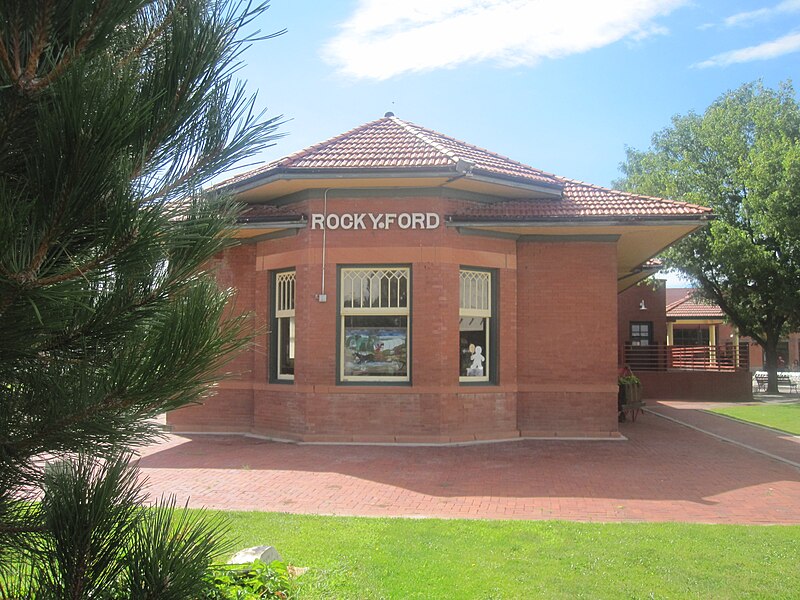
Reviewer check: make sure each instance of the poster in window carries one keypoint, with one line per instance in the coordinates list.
(375, 349)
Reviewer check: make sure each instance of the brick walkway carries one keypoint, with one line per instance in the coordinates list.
(782, 446)
(665, 472)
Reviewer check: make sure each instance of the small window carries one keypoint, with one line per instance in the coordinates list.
(641, 333)
(374, 312)
(476, 355)
(285, 286)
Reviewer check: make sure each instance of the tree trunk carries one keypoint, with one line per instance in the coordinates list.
(771, 364)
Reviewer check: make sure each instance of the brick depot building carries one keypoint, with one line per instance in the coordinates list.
(411, 288)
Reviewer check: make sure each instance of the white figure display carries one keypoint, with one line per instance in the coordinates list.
(476, 368)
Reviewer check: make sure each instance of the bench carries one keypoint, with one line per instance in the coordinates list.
(783, 379)
(787, 381)
(761, 381)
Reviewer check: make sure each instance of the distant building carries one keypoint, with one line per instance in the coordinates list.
(683, 346)
(697, 320)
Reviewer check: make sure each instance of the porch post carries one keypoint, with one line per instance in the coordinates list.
(712, 343)
(669, 333)
(736, 348)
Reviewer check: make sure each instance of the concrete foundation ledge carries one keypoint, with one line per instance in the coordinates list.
(419, 440)
(192, 429)
(571, 435)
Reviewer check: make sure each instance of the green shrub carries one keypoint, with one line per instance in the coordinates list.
(254, 581)
(629, 380)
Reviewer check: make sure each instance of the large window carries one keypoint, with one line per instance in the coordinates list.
(374, 311)
(690, 337)
(284, 325)
(476, 350)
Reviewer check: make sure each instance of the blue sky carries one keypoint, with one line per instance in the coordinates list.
(561, 85)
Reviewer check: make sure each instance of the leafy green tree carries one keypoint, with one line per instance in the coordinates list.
(742, 158)
(114, 113)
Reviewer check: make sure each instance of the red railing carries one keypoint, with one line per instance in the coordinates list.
(656, 357)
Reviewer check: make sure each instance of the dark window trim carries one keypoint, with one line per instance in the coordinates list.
(649, 331)
(272, 355)
(494, 337)
(410, 339)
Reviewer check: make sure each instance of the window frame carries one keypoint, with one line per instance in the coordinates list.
(275, 375)
(492, 350)
(343, 312)
(696, 332)
(638, 339)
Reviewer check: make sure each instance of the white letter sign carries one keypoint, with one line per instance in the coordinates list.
(415, 220)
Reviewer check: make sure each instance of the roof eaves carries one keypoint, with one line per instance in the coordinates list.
(484, 175)
(277, 172)
(282, 220)
(475, 221)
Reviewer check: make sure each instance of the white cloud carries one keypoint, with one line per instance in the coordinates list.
(783, 45)
(751, 16)
(385, 38)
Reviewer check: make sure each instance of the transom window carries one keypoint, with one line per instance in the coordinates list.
(374, 312)
(285, 288)
(475, 318)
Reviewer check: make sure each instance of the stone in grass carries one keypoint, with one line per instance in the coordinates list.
(265, 554)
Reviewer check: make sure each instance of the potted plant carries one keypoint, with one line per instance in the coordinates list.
(630, 388)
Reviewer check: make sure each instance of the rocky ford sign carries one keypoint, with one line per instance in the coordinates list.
(375, 221)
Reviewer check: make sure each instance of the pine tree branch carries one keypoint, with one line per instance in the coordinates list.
(27, 280)
(39, 41)
(186, 176)
(28, 275)
(8, 300)
(10, 529)
(26, 445)
(15, 48)
(86, 327)
(148, 41)
(5, 60)
(34, 84)
(88, 266)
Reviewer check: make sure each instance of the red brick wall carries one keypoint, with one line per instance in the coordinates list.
(229, 410)
(567, 310)
(696, 385)
(231, 406)
(565, 352)
(655, 301)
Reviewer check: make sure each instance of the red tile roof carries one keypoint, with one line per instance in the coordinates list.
(585, 200)
(392, 144)
(690, 307)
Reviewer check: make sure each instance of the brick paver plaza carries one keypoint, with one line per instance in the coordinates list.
(664, 472)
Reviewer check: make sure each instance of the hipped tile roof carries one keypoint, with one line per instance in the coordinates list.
(585, 200)
(691, 307)
(392, 144)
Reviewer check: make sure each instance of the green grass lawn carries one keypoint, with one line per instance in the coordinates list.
(365, 558)
(785, 417)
